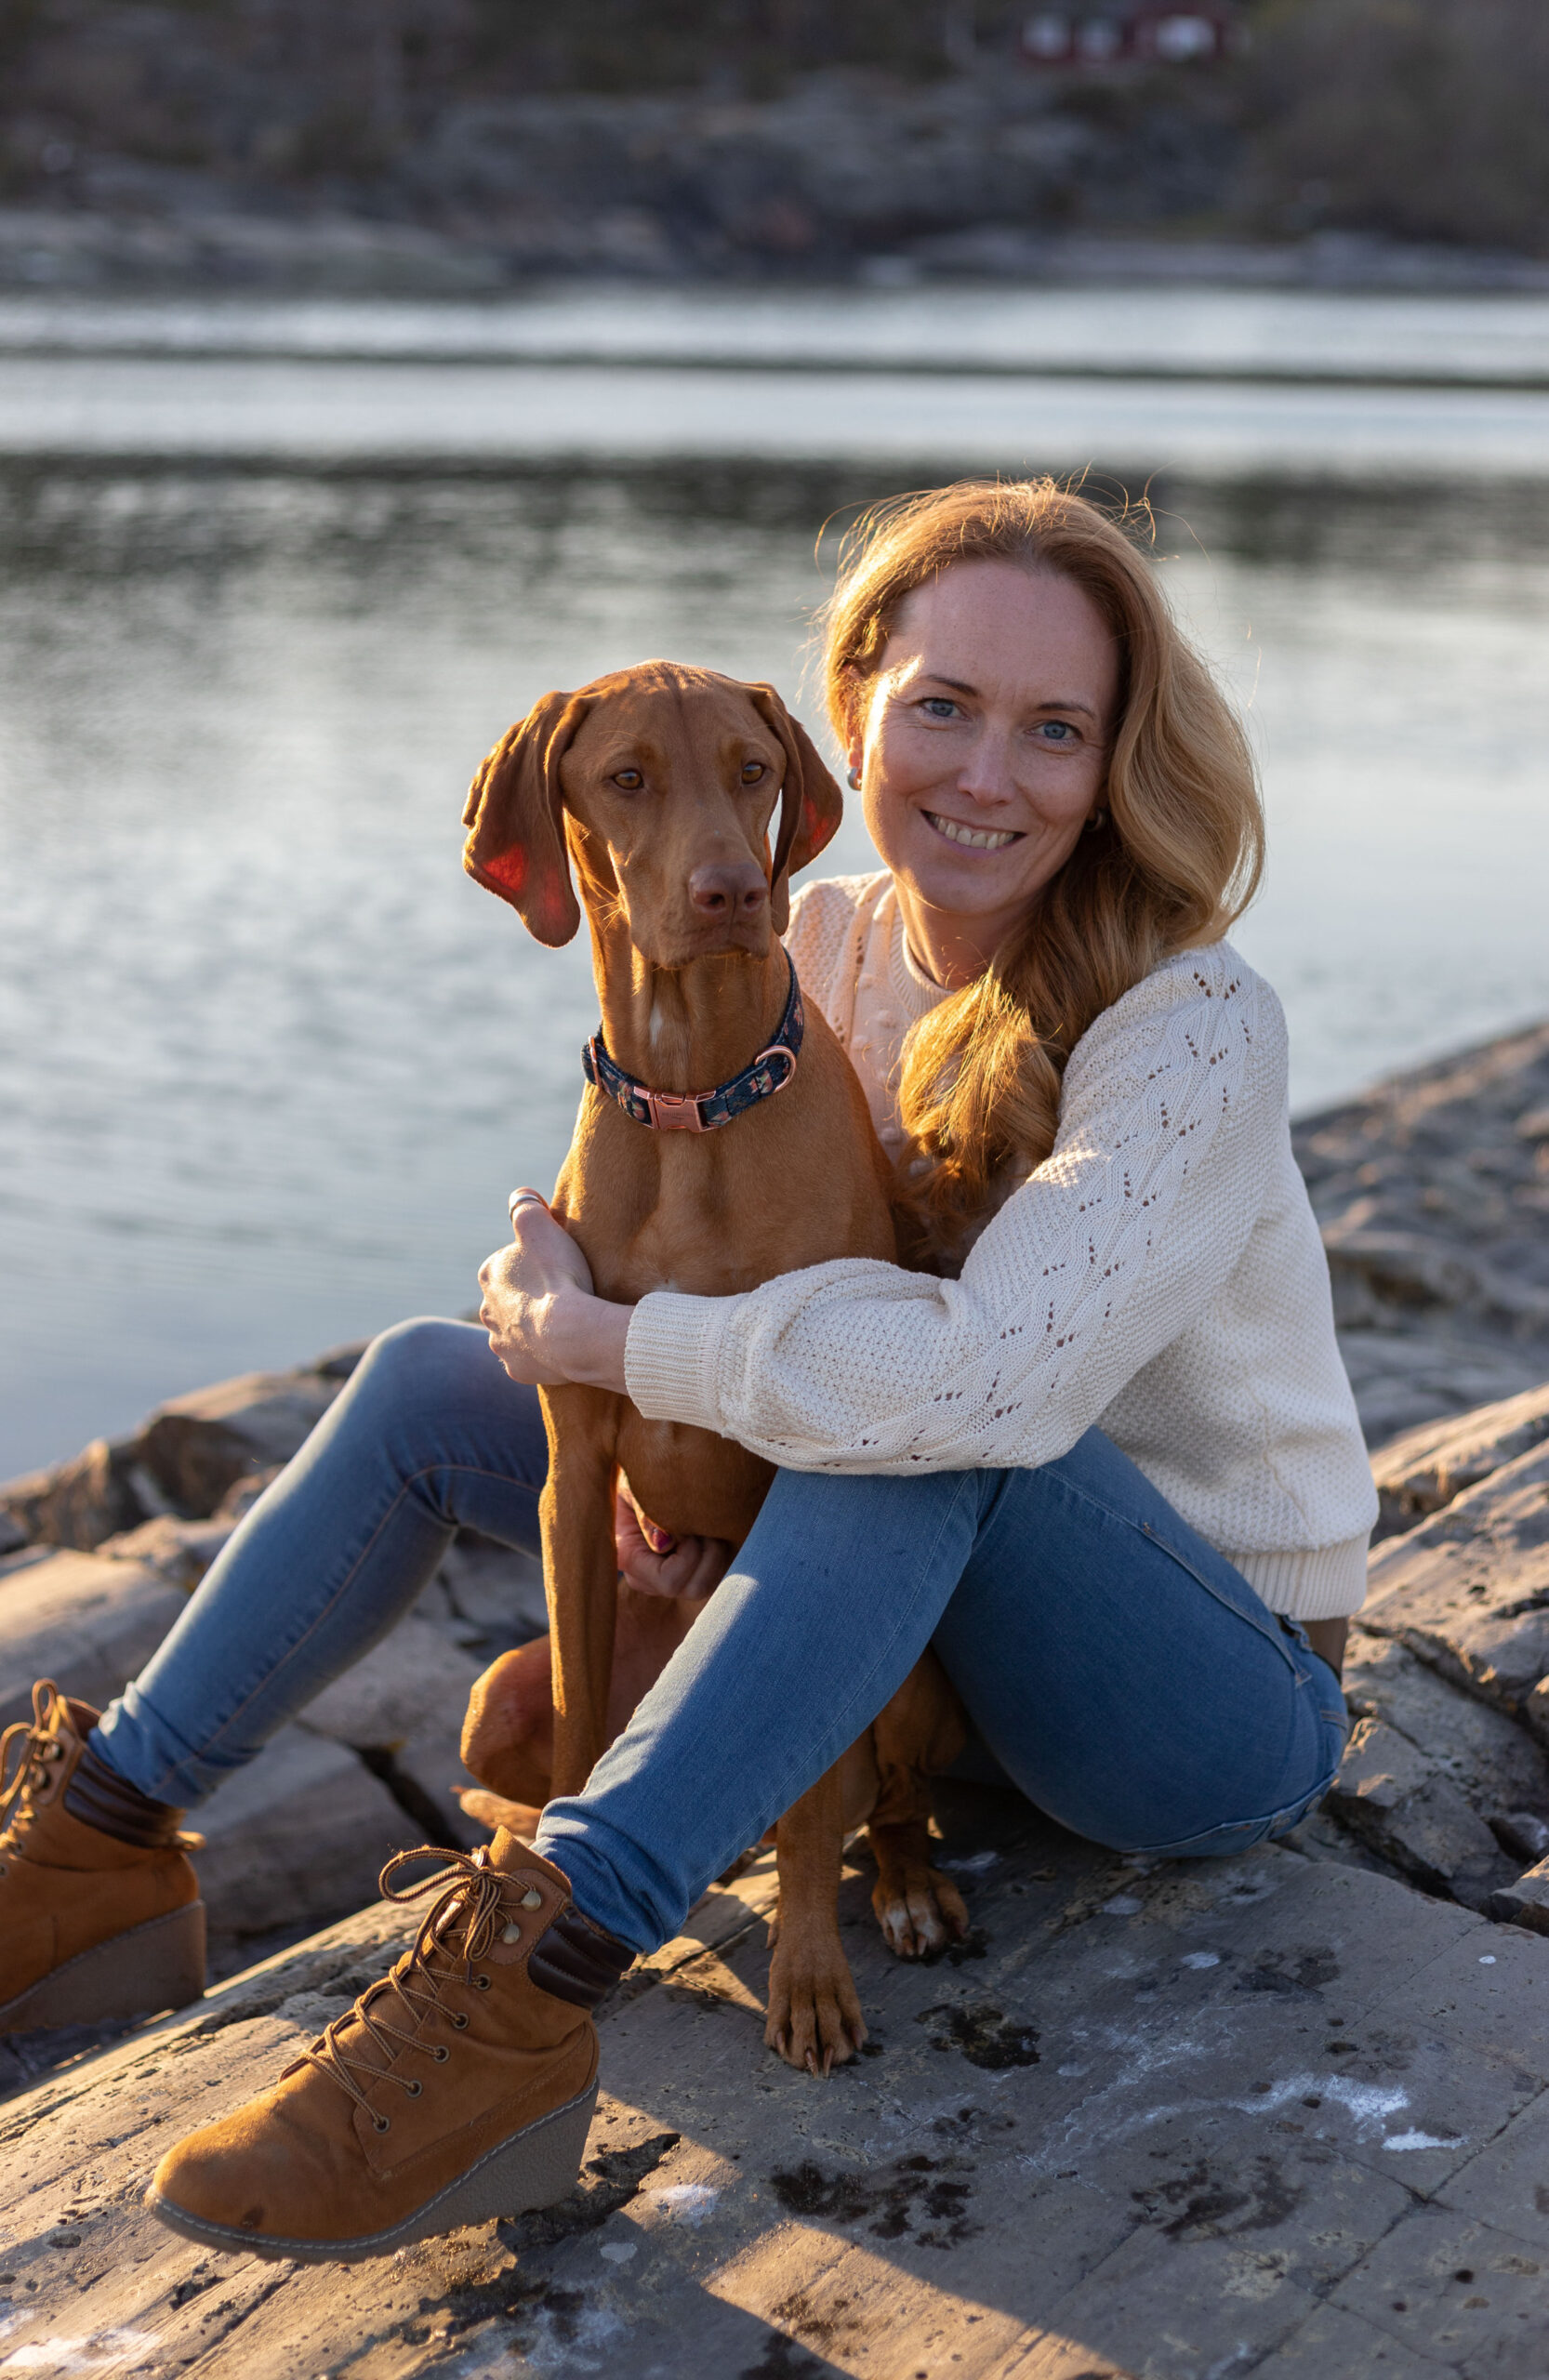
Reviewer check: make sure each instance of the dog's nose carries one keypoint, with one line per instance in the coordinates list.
(732, 890)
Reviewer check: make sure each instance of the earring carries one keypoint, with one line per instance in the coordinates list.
(1097, 823)
(854, 780)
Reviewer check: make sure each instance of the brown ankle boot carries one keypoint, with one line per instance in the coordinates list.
(90, 1927)
(459, 2088)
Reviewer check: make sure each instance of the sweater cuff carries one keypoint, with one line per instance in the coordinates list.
(1329, 1583)
(670, 1357)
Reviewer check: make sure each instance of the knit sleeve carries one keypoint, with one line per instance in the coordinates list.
(1172, 1109)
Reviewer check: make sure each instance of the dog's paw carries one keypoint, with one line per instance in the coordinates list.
(919, 1910)
(815, 2015)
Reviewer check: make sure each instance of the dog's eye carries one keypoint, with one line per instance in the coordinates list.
(752, 770)
(629, 780)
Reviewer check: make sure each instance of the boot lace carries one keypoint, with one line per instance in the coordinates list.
(458, 1927)
(35, 1743)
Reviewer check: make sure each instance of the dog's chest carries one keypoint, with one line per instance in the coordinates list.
(705, 1255)
(707, 1216)
(688, 1481)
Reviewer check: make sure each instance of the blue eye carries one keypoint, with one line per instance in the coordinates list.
(1057, 731)
(939, 706)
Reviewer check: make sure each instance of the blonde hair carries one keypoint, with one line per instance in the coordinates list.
(1176, 859)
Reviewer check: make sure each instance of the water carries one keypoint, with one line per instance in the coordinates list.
(1276, 334)
(330, 412)
(269, 1062)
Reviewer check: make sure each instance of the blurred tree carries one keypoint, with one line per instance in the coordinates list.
(1422, 118)
(743, 45)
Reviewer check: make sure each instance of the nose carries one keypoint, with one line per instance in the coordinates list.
(731, 890)
(987, 773)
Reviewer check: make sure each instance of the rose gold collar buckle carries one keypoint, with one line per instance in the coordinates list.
(672, 1110)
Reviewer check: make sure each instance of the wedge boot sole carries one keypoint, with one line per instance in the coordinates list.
(159, 1965)
(534, 2167)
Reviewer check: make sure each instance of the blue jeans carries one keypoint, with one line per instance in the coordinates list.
(1125, 1676)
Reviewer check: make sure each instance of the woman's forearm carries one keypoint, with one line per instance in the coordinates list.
(585, 1338)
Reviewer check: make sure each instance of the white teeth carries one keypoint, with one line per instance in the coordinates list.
(978, 838)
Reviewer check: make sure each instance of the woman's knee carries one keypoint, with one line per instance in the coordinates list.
(419, 1357)
(429, 1397)
(422, 1348)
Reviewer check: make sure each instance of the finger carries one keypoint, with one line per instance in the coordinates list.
(714, 1561)
(656, 1573)
(648, 1572)
(679, 1566)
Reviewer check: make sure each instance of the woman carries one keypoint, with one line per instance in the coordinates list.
(1086, 1089)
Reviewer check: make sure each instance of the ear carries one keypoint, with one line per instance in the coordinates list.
(516, 815)
(811, 803)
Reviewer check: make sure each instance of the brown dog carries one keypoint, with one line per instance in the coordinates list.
(659, 784)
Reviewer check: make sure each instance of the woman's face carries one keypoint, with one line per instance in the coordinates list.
(983, 749)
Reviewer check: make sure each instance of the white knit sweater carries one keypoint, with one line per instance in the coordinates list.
(1159, 1274)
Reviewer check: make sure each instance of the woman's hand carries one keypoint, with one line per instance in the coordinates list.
(690, 1567)
(544, 1322)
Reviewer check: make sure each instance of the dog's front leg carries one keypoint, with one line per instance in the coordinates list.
(580, 1573)
(815, 2015)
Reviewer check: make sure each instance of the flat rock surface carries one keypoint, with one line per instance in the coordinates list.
(1401, 1802)
(1261, 2114)
(1492, 1760)
(1288, 2113)
(1432, 1194)
(299, 1834)
(1468, 1590)
(83, 1619)
(1421, 1471)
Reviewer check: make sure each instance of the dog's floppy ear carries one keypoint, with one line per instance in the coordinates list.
(515, 817)
(811, 803)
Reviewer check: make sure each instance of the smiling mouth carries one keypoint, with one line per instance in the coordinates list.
(975, 838)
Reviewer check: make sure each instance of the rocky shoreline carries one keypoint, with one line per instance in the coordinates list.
(1286, 2113)
(225, 147)
(98, 1557)
(188, 243)
(1280, 2113)
(1432, 1194)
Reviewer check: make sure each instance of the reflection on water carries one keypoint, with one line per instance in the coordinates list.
(292, 412)
(941, 326)
(271, 1063)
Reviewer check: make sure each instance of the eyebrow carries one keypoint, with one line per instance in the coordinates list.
(1055, 702)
